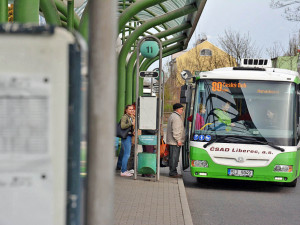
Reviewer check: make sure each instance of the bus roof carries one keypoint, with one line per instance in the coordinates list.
(251, 73)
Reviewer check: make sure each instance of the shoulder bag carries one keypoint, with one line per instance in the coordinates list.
(122, 133)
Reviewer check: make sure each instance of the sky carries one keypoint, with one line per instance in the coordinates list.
(265, 25)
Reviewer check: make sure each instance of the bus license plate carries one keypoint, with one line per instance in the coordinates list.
(240, 173)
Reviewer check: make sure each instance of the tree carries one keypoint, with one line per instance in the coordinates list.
(276, 50)
(238, 46)
(203, 57)
(291, 8)
(292, 13)
(294, 44)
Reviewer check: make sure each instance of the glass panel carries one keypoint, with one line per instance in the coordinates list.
(264, 110)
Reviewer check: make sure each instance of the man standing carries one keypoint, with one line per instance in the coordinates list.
(175, 138)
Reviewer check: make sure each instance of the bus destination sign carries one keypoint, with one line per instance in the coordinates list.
(148, 74)
(223, 86)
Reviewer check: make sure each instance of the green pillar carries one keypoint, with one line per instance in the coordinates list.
(63, 9)
(50, 12)
(129, 78)
(84, 23)
(70, 17)
(3, 11)
(26, 11)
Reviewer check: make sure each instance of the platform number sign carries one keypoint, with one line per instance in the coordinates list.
(149, 49)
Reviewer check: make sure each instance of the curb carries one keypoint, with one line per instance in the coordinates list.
(187, 217)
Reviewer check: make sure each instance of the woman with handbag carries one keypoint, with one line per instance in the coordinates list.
(127, 121)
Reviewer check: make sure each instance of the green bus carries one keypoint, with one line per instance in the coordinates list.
(243, 123)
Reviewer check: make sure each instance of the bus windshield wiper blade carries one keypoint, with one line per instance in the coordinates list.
(270, 144)
(254, 139)
(248, 139)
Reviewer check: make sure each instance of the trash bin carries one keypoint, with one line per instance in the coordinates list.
(146, 163)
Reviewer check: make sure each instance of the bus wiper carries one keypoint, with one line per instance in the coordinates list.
(273, 146)
(263, 142)
(245, 139)
(253, 139)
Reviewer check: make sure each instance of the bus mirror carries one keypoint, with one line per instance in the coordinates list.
(186, 74)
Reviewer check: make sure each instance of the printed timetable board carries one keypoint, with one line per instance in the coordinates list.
(148, 113)
(34, 71)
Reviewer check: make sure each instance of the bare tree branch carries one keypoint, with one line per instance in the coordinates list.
(294, 44)
(275, 4)
(239, 46)
(276, 50)
(291, 8)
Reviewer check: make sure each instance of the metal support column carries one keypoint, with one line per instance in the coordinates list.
(26, 11)
(101, 116)
(159, 106)
(70, 22)
(3, 11)
(50, 12)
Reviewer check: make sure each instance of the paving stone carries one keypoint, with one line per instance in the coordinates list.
(147, 202)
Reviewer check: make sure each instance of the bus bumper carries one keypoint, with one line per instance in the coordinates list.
(266, 173)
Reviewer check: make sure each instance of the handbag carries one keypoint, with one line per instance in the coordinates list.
(163, 147)
(122, 133)
(164, 160)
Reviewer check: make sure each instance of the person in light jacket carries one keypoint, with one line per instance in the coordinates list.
(175, 138)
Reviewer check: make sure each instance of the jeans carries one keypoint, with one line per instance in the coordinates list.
(126, 142)
(173, 159)
(120, 157)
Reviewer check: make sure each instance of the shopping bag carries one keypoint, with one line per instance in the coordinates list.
(163, 147)
(165, 159)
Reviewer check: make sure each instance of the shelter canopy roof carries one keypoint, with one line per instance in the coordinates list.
(160, 8)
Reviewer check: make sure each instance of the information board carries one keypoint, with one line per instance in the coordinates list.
(34, 80)
(148, 113)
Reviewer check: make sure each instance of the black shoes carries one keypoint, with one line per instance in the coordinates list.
(176, 176)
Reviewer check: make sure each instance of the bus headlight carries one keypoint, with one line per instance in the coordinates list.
(199, 163)
(283, 168)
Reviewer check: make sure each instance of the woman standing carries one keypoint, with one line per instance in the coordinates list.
(199, 123)
(127, 120)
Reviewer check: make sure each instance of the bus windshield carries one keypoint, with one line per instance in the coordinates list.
(258, 110)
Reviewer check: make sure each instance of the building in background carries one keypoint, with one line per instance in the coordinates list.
(203, 57)
(286, 62)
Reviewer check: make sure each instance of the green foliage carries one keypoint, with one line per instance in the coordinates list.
(167, 94)
(168, 108)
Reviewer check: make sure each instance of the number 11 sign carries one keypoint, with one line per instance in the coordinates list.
(149, 49)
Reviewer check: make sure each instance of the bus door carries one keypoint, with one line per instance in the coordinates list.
(186, 96)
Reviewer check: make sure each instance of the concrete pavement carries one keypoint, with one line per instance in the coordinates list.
(146, 201)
